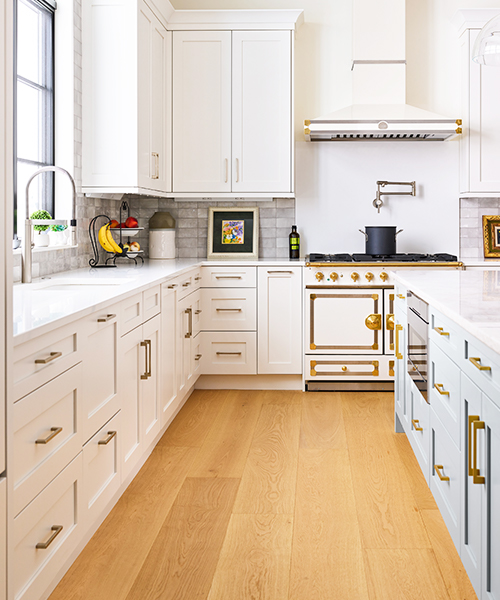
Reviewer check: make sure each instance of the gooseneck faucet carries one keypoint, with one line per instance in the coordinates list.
(27, 262)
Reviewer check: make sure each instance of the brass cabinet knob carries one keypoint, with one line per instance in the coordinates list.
(369, 276)
(374, 322)
(389, 322)
(384, 276)
(319, 276)
(354, 276)
(334, 276)
(344, 368)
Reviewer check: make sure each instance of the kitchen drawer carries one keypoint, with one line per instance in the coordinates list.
(446, 456)
(419, 433)
(233, 309)
(446, 335)
(196, 306)
(45, 357)
(475, 364)
(131, 315)
(229, 277)
(326, 367)
(52, 413)
(400, 292)
(101, 472)
(151, 303)
(32, 569)
(444, 391)
(229, 353)
(100, 399)
(187, 283)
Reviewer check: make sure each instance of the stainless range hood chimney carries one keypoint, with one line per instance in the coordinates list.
(379, 111)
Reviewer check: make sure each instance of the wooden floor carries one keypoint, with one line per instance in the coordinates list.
(276, 496)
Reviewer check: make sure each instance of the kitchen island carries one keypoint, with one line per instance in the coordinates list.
(447, 402)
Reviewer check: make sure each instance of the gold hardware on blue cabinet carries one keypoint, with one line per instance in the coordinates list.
(438, 469)
(476, 361)
(416, 426)
(476, 477)
(440, 331)
(441, 390)
(472, 418)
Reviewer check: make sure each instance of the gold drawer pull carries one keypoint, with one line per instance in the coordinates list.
(438, 469)
(401, 296)
(228, 353)
(416, 425)
(197, 357)
(283, 272)
(51, 436)
(477, 363)
(399, 328)
(439, 387)
(374, 322)
(106, 318)
(440, 331)
(172, 286)
(44, 545)
(476, 477)
(229, 309)
(472, 418)
(228, 277)
(186, 284)
(197, 312)
(52, 356)
(111, 435)
(197, 278)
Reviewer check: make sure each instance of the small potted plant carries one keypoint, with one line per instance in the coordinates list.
(41, 240)
(58, 235)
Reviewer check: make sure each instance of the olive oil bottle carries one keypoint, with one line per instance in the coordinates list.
(294, 243)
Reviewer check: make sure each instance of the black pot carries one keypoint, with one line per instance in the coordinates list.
(380, 240)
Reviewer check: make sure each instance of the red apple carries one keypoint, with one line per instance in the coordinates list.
(122, 225)
(131, 222)
(114, 224)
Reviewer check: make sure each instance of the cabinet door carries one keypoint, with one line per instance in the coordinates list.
(150, 387)
(154, 51)
(182, 346)
(201, 111)
(400, 367)
(261, 111)
(132, 366)
(484, 129)
(491, 512)
(168, 355)
(280, 320)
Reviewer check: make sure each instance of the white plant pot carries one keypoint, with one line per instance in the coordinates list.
(58, 238)
(41, 240)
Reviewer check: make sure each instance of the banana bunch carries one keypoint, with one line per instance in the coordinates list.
(106, 240)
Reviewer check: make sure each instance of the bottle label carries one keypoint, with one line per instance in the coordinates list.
(294, 243)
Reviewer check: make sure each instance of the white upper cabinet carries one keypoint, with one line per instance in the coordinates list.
(261, 112)
(232, 113)
(126, 99)
(202, 111)
(480, 89)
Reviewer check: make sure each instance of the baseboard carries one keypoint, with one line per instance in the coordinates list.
(249, 382)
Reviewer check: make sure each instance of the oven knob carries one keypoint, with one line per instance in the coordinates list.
(369, 276)
(354, 276)
(334, 276)
(384, 276)
(319, 276)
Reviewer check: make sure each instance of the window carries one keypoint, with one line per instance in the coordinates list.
(34, 127)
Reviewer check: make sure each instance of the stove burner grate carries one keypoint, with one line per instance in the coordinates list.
(412, 257)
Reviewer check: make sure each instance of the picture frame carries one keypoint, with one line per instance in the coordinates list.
(233, 233)
(491, 236)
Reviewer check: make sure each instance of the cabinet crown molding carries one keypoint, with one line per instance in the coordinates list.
(236, 19)
(473, 18)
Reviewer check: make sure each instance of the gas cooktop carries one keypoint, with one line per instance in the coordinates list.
(369, 258)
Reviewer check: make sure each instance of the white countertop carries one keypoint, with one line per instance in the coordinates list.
(471, 298)
(41, 305)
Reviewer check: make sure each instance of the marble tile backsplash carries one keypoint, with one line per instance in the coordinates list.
(471, 224)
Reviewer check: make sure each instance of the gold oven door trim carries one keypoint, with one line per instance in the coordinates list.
(345, 369)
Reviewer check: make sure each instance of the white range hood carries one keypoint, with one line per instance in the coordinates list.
(379, 111)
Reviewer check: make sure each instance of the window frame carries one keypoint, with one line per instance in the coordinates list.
(47, 122)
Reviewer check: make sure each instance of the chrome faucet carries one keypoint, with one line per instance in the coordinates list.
(27, 261)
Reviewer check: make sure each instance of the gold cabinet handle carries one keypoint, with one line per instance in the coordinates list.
(476, 361)
(441, 390)
(105, 319)
(144, 344)
(156, 156)
(198, 312)
(44, 545)
(197, 278)
(374, 322)
(111, 435)
(228, 309)
(472, 418)
(416, 425)
(438, 469)
(228, 277)
(197, 357)
(389, 322)
(228, 353)
(401, 296)
(186, 284)
(189, 312)
(476, 477)
(172, 286)
(399, 328)
(51, 436)
(440, 331)
(52, 356)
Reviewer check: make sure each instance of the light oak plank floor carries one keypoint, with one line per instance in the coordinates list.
(260, 495)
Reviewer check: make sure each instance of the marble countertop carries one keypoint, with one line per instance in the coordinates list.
(57, 300)
(471, 298)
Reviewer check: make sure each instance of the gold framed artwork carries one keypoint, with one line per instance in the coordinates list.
(233, 233)
(491, 236)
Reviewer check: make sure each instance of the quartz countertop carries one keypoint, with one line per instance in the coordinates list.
(471, 298)
(48, 302)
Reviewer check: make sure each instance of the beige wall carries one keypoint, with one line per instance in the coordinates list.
(323, 52)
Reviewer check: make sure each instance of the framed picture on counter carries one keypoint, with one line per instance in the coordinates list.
(491, 236)
(233, 233)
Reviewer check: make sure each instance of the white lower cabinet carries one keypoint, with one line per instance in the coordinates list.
(420, 427)
(45, 533)
(229, 353)
(168, 354)
(101, 468)
(400, 368)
